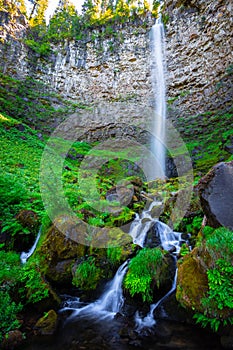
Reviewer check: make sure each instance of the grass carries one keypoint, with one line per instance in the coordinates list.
(205, 135)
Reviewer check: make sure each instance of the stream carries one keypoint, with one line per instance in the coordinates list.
(109, 323)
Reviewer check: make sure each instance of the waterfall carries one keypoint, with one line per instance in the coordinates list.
(169, 240)
(149, 321)
(159, 89)
(25, 255)
(110, 302)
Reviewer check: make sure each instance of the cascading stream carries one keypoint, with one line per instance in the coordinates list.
(24, 256)
(108, 304)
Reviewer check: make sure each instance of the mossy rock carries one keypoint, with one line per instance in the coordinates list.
(192, 282)
(113, 237)
(47, 324)
(57, 246)
(57, 255)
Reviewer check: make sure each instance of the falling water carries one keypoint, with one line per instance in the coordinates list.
(159, 89)
(25, 255)
(108, 304)
(149, 320)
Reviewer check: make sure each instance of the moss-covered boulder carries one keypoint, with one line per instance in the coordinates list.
(204, 283)
(192, 283)
(47, 324)
(61, 251)
(58, 254)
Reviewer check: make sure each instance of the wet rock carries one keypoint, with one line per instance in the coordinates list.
(47, 324)
(13, 340)
(216, 195)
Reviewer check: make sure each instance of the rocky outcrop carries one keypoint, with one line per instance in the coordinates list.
(61, 251)
(216, 195)
(199, 55)
(117, 69)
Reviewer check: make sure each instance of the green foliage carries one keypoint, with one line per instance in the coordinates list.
(8, 314)
(184, 250)
(220, 244)
(13, 196)
(143, 269)
(195, 226)
(9, 269)
(34, 286)
(87, 275)
(218, 301)
(43, 48)
(219, 296)
(199, 131)
(114, 254)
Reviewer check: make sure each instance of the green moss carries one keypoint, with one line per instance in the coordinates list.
(205, 135)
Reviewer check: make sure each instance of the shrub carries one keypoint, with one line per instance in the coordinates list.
(87, 275)
(218, 301)
(143, 269)
(34, 285)
(9, 268)
(114, 254)
(220, 244)
(8, 314)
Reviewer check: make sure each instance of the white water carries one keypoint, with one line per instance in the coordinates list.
(159, 88)
(108, 304)
(141, 225)
(148, 321)
(139, 228)
(25, 255)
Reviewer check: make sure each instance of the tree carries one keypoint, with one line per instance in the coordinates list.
(37, 16)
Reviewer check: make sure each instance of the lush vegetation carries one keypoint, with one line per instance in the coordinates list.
(87, 274)
(98, 19)
(18, 287)
(144, 273)
(28, 109)
(218, 302)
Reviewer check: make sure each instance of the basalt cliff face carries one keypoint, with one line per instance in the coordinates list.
(115, 71)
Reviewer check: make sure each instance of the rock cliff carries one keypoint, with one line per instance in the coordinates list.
(115, 68)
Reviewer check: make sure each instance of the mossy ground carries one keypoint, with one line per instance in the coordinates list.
(205, 136)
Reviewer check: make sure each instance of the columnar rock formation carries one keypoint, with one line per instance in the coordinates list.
(115, 69)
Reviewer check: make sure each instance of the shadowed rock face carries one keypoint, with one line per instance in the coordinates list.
(216, 195)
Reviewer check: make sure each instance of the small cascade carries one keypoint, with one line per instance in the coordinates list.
(25, 255)
(148, 321)
(141, 225)
(169, 240)
(108, 304)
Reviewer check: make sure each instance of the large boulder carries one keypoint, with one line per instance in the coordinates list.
(216, 195)
(60, 251)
